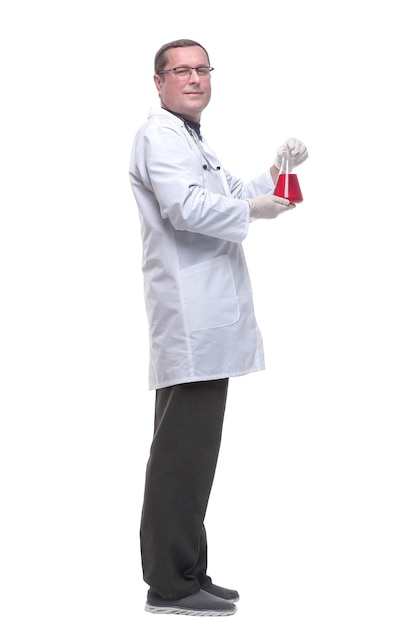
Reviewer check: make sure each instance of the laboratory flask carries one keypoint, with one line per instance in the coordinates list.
(287, 185)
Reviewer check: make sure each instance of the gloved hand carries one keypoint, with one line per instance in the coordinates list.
(268, 206)
(297, 149)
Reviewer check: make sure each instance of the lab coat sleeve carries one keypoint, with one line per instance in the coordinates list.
(170, 166)
(256, 187)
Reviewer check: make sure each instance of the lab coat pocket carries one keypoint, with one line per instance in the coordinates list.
(209, 294)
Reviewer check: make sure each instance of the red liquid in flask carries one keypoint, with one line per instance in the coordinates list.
(287, 186)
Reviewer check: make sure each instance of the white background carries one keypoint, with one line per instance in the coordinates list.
(305, 513)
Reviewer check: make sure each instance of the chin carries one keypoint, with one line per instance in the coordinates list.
(195, 111)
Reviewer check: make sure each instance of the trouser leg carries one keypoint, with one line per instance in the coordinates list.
(179, 477)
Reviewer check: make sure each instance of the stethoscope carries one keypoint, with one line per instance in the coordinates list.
(198, 142)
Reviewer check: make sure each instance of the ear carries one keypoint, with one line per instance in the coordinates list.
(158, 82)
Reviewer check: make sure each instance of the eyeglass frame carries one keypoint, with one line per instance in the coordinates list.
(187, 67)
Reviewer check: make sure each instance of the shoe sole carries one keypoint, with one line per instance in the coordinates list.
(170, 610)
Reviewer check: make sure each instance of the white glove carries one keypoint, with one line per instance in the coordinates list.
(297, 149)
(268, 206)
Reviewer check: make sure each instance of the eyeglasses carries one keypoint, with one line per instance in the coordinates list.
(185, 72)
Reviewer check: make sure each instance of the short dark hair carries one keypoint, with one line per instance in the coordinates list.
(161, 56)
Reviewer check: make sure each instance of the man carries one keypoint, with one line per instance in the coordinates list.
(202, 329)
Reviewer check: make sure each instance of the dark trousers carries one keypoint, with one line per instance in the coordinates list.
(179, 478)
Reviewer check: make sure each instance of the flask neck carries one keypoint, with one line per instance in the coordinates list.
(287, 164)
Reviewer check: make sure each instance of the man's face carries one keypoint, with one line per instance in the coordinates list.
(189, 96)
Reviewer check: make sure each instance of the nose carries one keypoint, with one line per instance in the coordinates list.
(193, 77)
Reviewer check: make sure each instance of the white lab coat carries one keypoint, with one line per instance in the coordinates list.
(197, 290)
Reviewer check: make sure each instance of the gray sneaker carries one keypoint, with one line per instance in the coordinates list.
(200, 603)
(222, 592)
